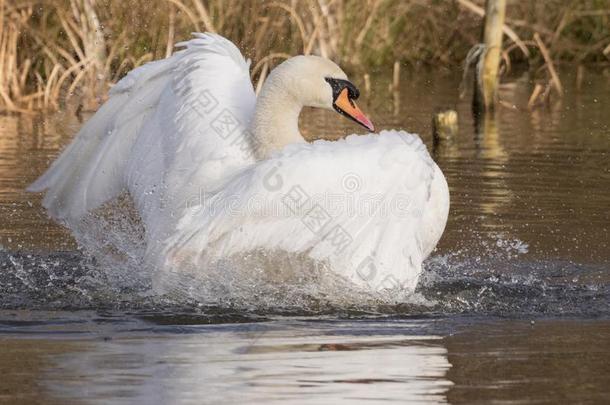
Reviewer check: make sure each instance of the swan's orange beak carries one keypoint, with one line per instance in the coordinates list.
(346, 106)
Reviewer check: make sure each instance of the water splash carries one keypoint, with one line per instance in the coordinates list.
(492, 276)
(502, 280)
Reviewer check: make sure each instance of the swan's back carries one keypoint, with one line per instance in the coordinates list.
(371, 207)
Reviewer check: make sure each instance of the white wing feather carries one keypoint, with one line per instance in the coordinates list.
(155, 127)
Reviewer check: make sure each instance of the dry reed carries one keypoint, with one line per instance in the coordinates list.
(52, 50)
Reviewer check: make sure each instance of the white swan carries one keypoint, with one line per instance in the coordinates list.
(216, 173)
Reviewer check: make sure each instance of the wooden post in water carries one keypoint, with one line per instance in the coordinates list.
(486, 77)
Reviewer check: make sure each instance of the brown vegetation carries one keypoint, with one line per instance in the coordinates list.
(51, 50)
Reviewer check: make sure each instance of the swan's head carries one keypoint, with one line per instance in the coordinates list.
(318, 82)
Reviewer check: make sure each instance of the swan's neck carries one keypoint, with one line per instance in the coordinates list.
(276, 118)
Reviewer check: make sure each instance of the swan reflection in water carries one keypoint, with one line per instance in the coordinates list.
(261, 363)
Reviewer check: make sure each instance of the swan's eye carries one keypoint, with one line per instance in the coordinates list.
(338, 85)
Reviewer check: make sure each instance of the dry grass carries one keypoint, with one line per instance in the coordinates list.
(52, 50)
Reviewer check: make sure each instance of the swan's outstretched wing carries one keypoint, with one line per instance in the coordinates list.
(166, 119)
(372, 207)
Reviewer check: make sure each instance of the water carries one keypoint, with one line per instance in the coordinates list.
(514, 305)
